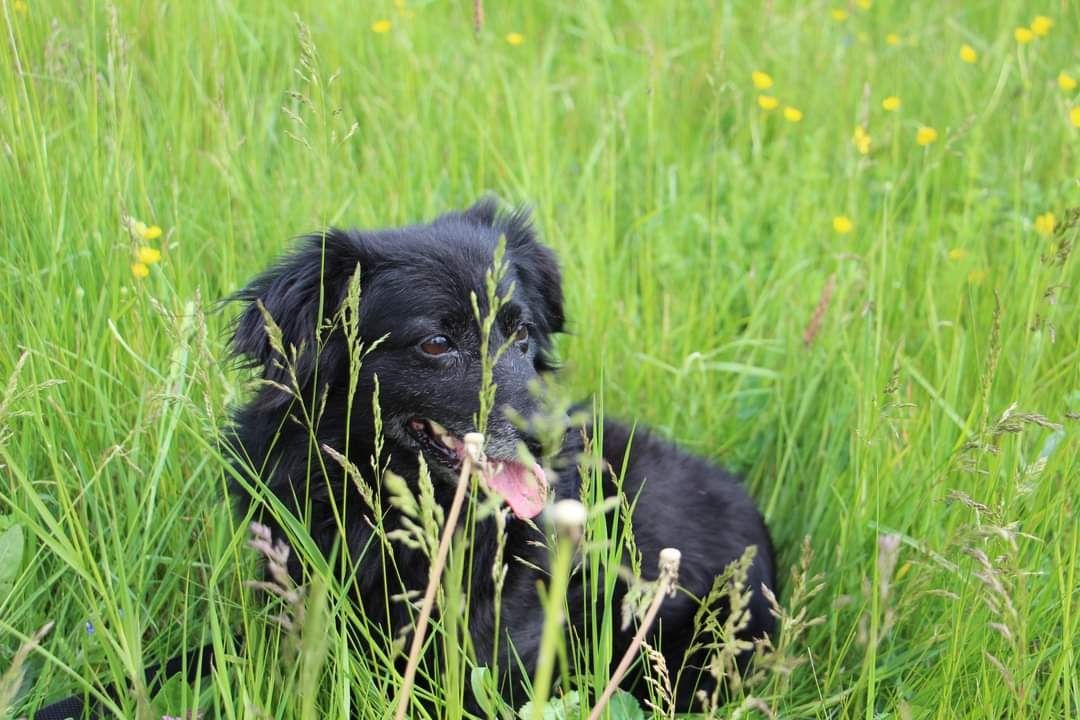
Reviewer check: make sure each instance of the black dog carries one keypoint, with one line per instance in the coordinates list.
(416, 287)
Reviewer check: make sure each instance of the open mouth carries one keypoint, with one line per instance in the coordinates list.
(436, 441)
(524, 488)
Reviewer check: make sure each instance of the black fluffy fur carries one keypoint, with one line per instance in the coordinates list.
(416, 283)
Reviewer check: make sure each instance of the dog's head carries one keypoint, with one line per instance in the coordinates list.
(416, 312)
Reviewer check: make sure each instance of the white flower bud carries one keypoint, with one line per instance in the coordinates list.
(474, 447)
(669, 567)
(569, 517)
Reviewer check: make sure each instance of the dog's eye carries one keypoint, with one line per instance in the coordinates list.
(521, 335)
(436, 345)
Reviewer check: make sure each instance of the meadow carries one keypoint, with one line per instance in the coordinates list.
(830, 245)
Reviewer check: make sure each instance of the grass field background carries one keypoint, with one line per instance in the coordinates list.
(876, 323)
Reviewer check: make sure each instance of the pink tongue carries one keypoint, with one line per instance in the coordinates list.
(524, 489)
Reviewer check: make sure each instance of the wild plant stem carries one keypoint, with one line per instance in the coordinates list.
(553, 622)
(669, 575)
(473, 454)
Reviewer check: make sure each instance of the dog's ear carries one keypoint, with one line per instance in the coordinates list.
(482, 212)
(538, 276)
(298, 293)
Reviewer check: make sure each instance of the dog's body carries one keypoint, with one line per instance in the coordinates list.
(417, 284)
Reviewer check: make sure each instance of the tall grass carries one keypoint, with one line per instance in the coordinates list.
(906, 394)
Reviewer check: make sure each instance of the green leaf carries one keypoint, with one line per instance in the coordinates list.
(170, 698)
(487, 694)
(560, 708)
(177, 699)
(624, 706)
(11, 557)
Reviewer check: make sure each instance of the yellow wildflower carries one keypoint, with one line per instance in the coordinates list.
(762, 80)
(515, 38)
(151, 233)
(839, 14)
(1023, 35)
(1041, 25)
(842, 224)
(767, 102)
(892, 39)
(861, 139)
(925, 135)
(1044, 224)
(1074, 115)
(1066, 81)
(792, 114)
(148, 255)
(864, 4)
(976, 277)
(968, 54)
(139, 270)
(20, 7)
(891, 103)
(381, 26)
(958, 254)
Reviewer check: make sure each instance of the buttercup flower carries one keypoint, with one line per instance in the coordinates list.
(892, 39)
(861, 140)
(515, 38)
(864, 4)
(925, 136)
(1044, 224)
(762, 80)
(1066, 81)
(148, 255)
(139, 270)
(1074, 115)
(1041, 25)
(839, 14)
(20, 7)
(958, 254)
(767, 102)
(792, 114)
(842, 224)
(891, 103)
(380, 26)
(1023, 35)
(968, 54)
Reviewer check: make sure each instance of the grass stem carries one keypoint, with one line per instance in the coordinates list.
(474, 443)
(665, 585)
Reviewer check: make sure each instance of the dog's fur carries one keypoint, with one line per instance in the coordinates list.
(416, 283)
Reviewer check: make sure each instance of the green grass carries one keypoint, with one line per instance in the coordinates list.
(696, 236)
